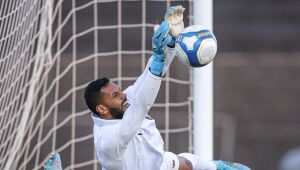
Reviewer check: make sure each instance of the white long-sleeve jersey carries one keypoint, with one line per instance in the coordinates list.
(134, 142)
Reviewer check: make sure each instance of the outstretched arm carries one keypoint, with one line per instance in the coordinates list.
(142, 98)
(174, 19)
(162, 57)
(145, 95)
(140, 106)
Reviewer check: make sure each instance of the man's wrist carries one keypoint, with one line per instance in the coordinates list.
(157, 64)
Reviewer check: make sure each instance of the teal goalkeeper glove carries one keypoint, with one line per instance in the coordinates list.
(224, 165)
(160, 39)
(53, 163)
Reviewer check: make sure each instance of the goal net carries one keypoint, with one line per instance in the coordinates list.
(51, 49)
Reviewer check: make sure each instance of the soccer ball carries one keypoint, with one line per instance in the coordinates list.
(196, 46)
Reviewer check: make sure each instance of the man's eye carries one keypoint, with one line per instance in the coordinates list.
(114, 95)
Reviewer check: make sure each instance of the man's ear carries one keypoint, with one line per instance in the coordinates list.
(101, 109)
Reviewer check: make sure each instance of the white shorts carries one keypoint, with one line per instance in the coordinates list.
(170, 162)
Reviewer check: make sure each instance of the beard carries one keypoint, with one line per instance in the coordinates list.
(116, 113)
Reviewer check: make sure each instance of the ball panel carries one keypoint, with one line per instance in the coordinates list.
(190, 54)
(181, 55)
(197, 46)
(190, 42)
(193, 60)
(204, 34)
(207, 51)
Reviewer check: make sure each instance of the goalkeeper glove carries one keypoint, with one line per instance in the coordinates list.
(160, 40)
(172, 43)
(53, 163)
(224, 165)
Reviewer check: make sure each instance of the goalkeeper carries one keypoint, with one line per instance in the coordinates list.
(125, 136)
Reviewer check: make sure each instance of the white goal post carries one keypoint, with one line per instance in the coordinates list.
(203, 89)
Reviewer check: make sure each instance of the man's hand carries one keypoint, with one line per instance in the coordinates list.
(160, 40)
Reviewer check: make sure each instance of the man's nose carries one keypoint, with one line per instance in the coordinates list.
(124, 95)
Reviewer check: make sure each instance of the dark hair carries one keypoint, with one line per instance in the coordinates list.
(92, 94)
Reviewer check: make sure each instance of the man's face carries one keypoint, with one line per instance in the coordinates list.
(114, 100)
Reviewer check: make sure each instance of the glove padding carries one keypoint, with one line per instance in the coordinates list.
(157, 65)
(160, 40)
(172, 43)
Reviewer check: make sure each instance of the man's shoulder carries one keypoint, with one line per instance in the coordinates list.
(104, 136)
(103, 131)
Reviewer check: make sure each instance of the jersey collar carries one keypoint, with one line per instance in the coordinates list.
(102, 122)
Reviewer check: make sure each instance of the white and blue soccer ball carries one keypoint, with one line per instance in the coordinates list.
(196, 46)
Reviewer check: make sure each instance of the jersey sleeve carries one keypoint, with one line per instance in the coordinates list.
(142, 102)
(115, 142)
(170, 54)
(142, 94)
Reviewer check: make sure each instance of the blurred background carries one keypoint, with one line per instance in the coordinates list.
(255, 78)
(256, 87)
